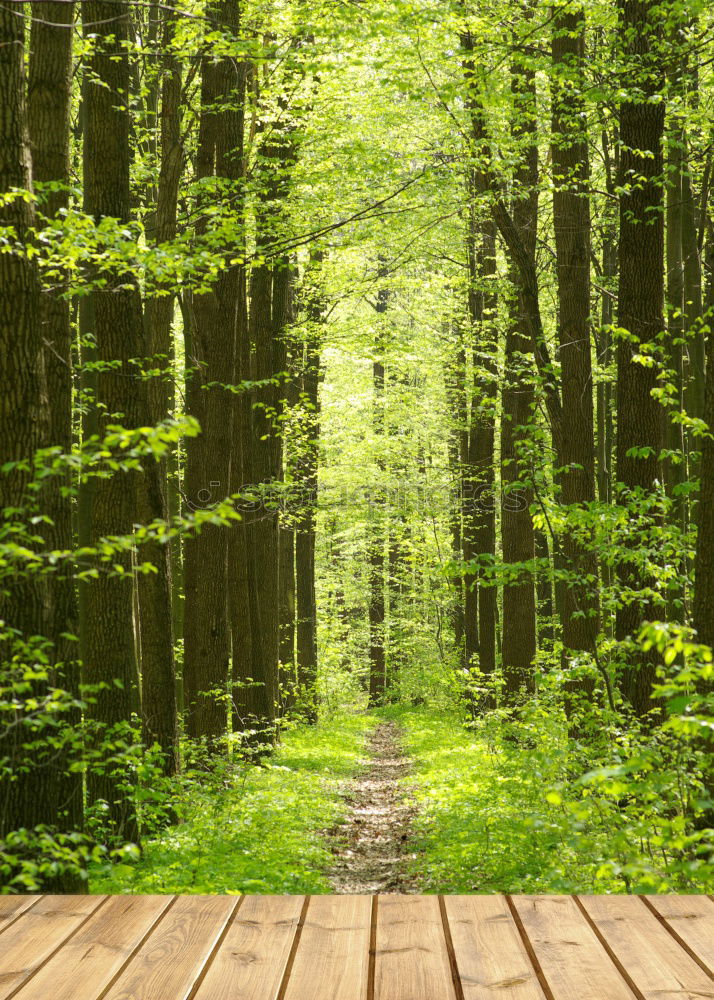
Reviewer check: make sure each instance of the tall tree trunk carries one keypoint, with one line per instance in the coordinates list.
(49, 107)
(283, 314)
(544, 591)
(640, 312)
(465, 631)
(263, 525)
(455, 528)
(571, 218)
(703, 604)
(286, 576)
(518, 541)
(482, 443)
(376, 528)
(108, 650)
(306, 474)
(241, 564)
(675, 469)
(213, 343)
(605, 421)
(158, 673)
(31, 798)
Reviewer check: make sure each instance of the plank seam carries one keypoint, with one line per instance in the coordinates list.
(59, 947)
(21, 913)
(132, 954)
(680, 941)
(611, 954)
(451, 951)
(293, 950)
(530, 951)
(214, 950)
(372, 958)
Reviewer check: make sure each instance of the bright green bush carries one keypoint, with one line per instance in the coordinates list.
(250, 828)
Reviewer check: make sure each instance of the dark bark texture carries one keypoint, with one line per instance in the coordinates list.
(108, 628)
(640, 312)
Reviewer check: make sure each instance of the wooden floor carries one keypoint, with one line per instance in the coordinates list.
(356, 947)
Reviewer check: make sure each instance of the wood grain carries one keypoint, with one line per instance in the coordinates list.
(29, 941)
(251, 960)
(88, 963)
(287, 948)
(657, 965)
(574, 963)
(490, 955)
(332, 960)
(692, 919)
(12, 906)
(411, 960)
(169, 964)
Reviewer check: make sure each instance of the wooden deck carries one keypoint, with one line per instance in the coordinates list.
(356, 948)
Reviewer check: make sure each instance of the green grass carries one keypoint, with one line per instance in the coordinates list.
(253, 829)
(485, 823)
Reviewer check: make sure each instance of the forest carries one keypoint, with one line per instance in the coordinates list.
(356, 446)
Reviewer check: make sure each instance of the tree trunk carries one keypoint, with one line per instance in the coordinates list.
(517, 536)
(306, 474)
(286, 576)
(571, 218)
(377, 659)
(641, 313)
(158, 672)
(518, 541)
(703, 610)
(455, 386)
(605, 421)
(482, 443)
(675, 468)
(211, 360)
(376, 527)
(263, 525)
(108, 629)
(49, 107)
(24, 599)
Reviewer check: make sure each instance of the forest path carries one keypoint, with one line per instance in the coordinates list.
(372, 846)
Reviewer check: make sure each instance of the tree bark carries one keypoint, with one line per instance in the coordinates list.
(641, 313)
(518, 540)
(158, 670)
(108, 628)
(376, 527)
(703, 604)
(211, 359)
(48, 110)
(24, 599)
(306, 474)
(482, 443)
(571, 219)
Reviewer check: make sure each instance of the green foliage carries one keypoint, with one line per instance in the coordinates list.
(250, 828)
(515, 806)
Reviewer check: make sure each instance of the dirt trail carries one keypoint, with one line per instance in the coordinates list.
(372, 846)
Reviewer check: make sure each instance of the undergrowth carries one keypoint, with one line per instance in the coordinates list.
(522, 815)
(246, 828)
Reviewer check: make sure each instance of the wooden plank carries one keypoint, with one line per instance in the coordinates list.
(573, 962)
(88, 963)
(656, 964)
(692, 919)
(12, 906)
(251, 961)
(411, 958)
(332, 959)
(29, 942)
(490, 955)
(171, 961)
